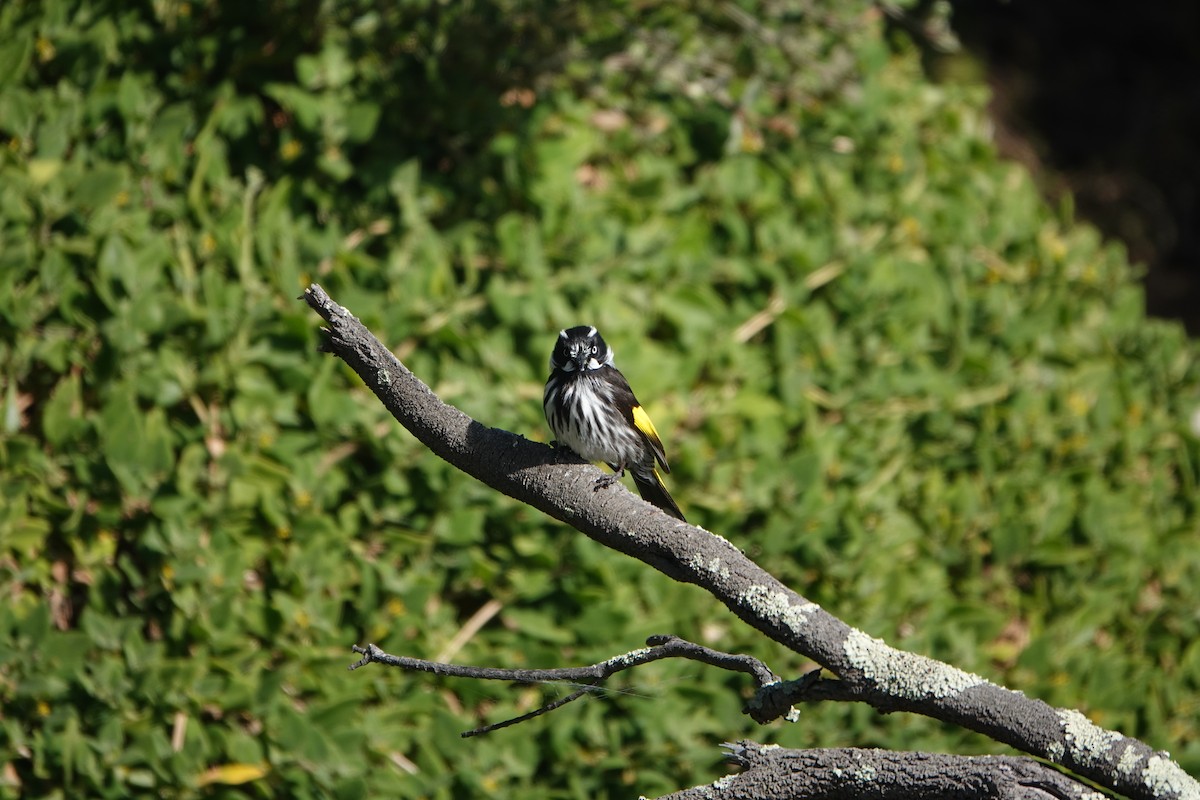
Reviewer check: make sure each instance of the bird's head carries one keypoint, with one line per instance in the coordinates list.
(580, 349)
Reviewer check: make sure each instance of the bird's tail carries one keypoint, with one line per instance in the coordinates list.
(652, 489)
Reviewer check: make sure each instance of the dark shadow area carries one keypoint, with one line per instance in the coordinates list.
(436, 77)
(1103, 100)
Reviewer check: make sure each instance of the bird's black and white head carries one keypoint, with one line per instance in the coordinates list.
(580, 349)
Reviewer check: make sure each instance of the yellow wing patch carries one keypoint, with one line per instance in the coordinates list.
(641, 421)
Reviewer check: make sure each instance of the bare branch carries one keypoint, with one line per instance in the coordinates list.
(852, 773)
(773, 700)
(888, 679)
(537, 712)
(658, 647)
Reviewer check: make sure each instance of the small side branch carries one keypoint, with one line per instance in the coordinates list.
(775, 700)
(658, 647)
(537, 712)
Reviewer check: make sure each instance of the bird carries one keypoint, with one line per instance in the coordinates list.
(592, 410)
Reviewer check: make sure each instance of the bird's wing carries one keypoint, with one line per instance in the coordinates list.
(624, 397)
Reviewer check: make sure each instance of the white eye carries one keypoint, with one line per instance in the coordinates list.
(593, 349)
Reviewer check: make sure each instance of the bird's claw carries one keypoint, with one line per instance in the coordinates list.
(604, 481)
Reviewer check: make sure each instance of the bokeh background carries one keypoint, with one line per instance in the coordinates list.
(884, 363)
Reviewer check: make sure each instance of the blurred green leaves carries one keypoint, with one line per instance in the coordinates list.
(880, 364)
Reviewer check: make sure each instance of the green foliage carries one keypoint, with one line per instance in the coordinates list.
(881, 365)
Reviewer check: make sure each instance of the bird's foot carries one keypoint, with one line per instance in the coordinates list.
(604, 481)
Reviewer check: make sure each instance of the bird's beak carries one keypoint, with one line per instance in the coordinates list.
(581, 358)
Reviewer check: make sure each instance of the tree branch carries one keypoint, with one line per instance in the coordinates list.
(888, 679)
(658, 647)
(852, 773)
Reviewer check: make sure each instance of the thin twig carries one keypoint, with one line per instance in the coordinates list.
(658, 647)
(562, 701)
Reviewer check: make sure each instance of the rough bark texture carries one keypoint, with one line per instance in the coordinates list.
(850, 774)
